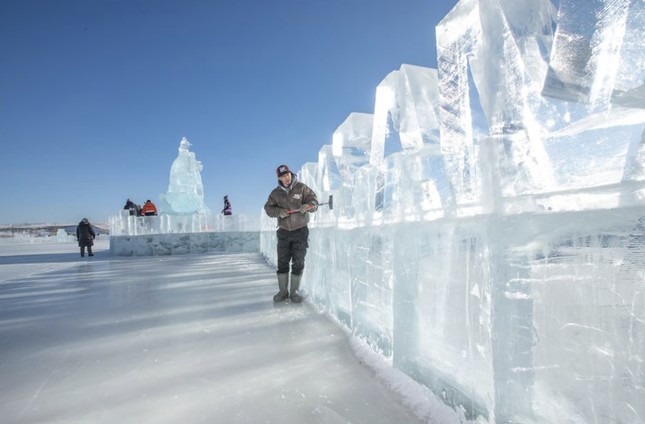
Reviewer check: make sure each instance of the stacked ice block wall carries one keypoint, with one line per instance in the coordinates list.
(488, 230)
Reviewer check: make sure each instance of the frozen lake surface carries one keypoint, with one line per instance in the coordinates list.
(179, 339)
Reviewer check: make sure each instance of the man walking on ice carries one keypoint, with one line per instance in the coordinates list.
(291, 202)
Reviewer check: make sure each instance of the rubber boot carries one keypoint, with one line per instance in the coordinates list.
(283, 282)
(295, 285)
(82, 251)
(89, 251)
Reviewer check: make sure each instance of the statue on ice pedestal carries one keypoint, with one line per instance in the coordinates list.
(185, 193)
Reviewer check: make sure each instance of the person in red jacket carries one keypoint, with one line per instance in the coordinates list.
(149, 209)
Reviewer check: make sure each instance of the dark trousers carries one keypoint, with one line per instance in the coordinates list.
(292, 248)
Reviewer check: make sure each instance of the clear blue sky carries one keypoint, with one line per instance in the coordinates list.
(96, 95)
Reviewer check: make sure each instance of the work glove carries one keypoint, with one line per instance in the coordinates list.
(283, 213)
(304, 208)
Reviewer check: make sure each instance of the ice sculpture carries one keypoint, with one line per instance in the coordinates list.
(181, 209)
(492, 59)
(595, 58)
(329, 174)
(488, 231)
(351, 143)
(185, 194)
(308, 175)
(405, 112)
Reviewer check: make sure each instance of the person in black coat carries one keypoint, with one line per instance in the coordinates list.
(85, 236)
(131, 207)
(228, 210)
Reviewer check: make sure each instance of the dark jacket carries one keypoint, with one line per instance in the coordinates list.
(132, 207)
(291, 198)
(228, 210)
(85, 233)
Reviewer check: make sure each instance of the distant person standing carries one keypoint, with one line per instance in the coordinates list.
(85, 236)
(291, 202)
(228, 210)
(149, 209)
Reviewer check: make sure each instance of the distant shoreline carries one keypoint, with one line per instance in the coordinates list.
(45, 230)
